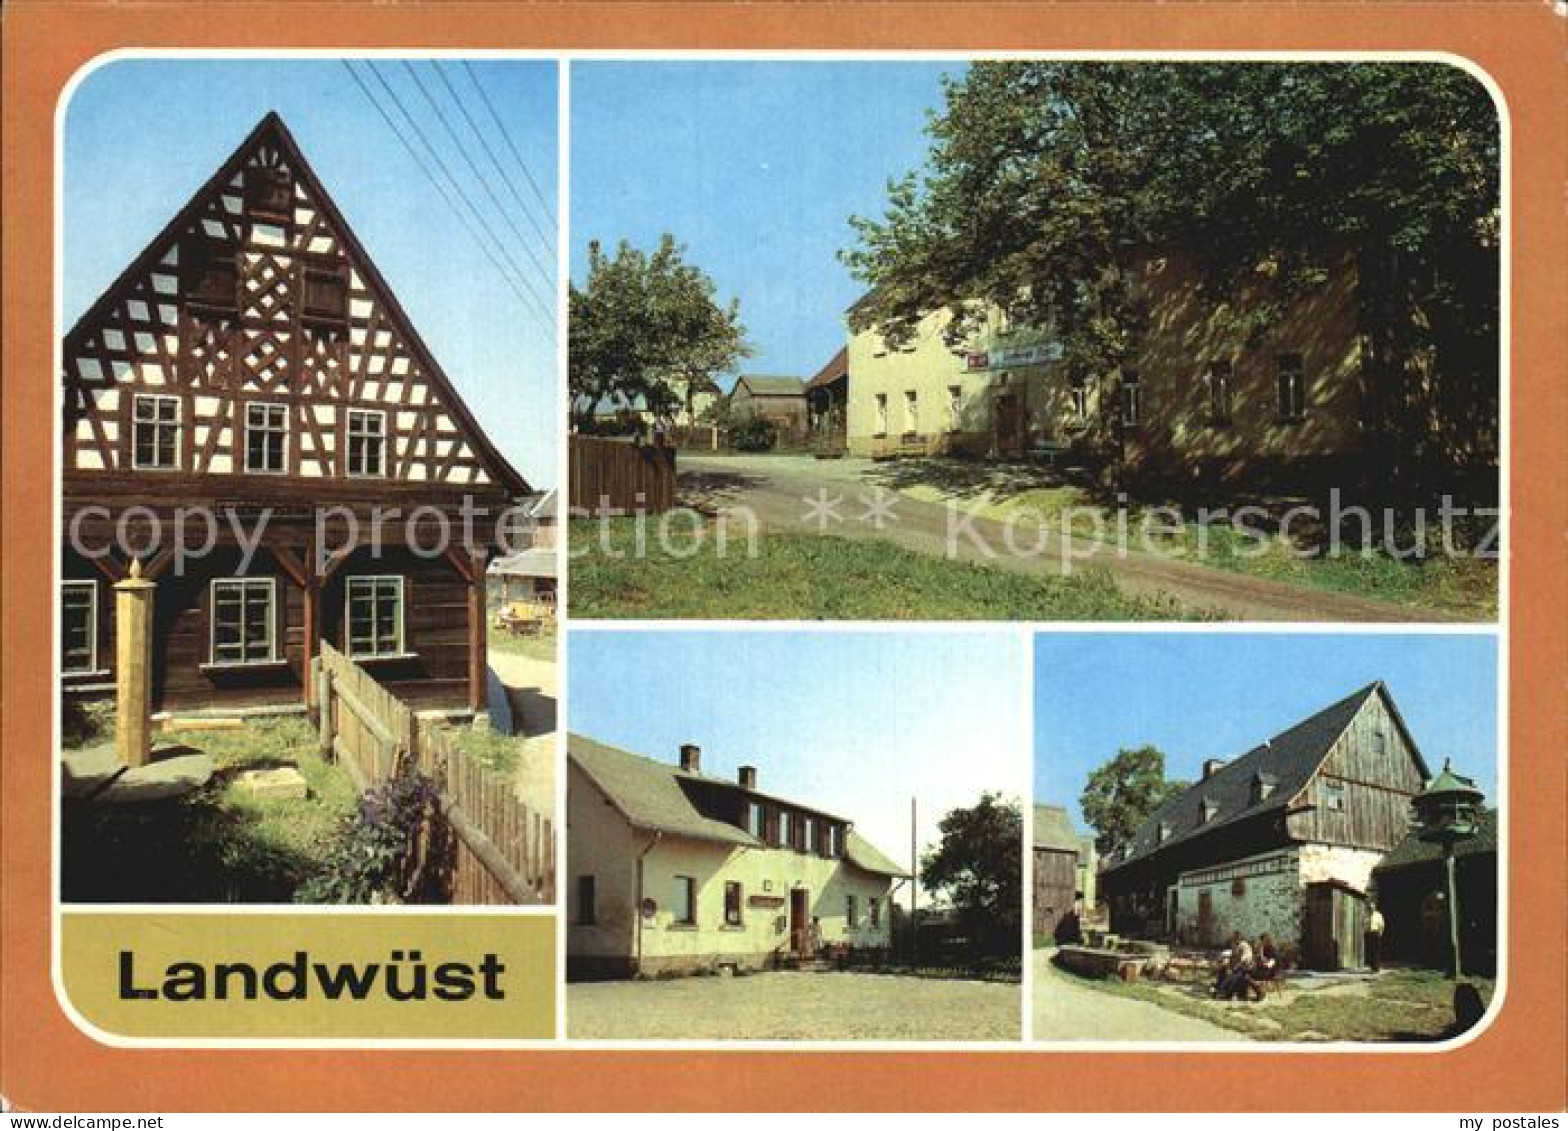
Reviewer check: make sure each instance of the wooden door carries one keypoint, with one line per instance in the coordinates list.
(1009, 424)
(799, 922)
(1319, 949)
(1206, 919)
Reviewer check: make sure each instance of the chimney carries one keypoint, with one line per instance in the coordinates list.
(1211, 766)
(748, 777)
(691, 758)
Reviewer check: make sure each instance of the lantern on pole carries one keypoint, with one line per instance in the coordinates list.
(1448, 811)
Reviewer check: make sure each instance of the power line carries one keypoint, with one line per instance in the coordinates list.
(506, 177)
(544, 307)
(484, 182)
(507, 137)
(530, 300)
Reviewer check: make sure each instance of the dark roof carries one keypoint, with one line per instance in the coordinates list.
(836, 368)
(1413, 850)
(271, 130)
(1288, 760)
(649, 794)
(764, 386)
(1053, 829)
(655, 795)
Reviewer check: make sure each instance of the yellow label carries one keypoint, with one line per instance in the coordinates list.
(286, 976)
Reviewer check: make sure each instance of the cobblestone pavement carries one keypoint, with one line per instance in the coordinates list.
(795, 1006)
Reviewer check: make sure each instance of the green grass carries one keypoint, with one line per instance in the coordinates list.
(215, 844)
(1404, 1005)
(490, 748)
(1458, 586)
(802, 576)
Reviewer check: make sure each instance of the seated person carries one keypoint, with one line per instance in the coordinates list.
(1236, 970)
(1266, 967)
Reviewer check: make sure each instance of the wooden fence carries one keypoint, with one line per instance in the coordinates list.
(480, 843)
(617, 477)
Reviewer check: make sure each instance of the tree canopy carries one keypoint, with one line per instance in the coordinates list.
(977, 867)
(649, 326)
(1048, 181)
(1124, 793)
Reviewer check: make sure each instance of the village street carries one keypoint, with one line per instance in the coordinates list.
(795, 1006)
(787, 493)
(529, 684)
(1066, 1010)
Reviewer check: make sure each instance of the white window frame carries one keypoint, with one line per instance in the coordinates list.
(1218, 380)
(1078, 395)
(92, 626)
(740, 904)
(955, 407)
(686, 889)
(1292, 406)
(1335, 796)
(1132, 400)
(375, 580)
(268, 429)
(177, 424)
(851, 911)
(912, 412)
(244, 584)
(879, 402)
(783, 829)
(350, 434)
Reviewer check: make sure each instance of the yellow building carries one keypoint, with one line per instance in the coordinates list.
(1204, 393)
(670, 869)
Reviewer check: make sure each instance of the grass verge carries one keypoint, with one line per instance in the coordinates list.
(802, 576)
(217, 844)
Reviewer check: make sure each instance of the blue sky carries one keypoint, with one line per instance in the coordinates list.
(756, 167)
(852, 722)
(141, 136)
(1203, 695)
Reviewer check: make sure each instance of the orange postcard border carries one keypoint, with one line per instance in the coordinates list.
(1516, 1064)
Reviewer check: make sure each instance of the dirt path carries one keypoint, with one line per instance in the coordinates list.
(1066, 1010)
(785, 493)
(795, 1006)
(531, 688)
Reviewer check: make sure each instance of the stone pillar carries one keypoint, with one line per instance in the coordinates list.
(133, 601)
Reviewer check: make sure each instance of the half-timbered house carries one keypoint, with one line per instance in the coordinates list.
(252, 366)
(1283, 839)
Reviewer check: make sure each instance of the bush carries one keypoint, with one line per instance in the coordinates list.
(368, 859)
(753, 434)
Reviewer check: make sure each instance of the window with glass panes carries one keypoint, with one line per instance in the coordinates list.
(732, 903)
(1218, 379)
(367, 442)
(79, 626)
(1132, 400)
(155, 432)
(242, 620)
(266, 438)
(1292, 392)
(375, 616)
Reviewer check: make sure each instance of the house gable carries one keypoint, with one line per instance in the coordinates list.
(1285, 775)
(257, 293)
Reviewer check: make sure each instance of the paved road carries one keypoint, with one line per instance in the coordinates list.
(776, 489)
(530, 685)
(795, 1006)
(1066, 1010)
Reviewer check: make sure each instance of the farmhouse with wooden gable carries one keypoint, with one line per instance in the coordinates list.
(1283, 839)
(671, 869)
(252, 363)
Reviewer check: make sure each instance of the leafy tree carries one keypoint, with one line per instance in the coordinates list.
(649, 326)
(977, 867)
(1048, 183)
(1124, 793)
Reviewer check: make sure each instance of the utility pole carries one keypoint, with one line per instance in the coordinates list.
(914, 886)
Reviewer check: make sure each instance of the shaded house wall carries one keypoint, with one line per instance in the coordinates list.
(1414, 904)
(1177, 431)
(787, 410)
